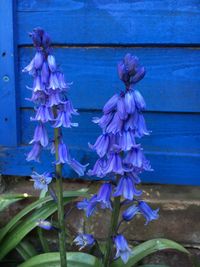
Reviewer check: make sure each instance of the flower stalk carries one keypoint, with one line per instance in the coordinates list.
(59, 191)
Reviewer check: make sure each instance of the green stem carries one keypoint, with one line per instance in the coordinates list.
(59, 189)
(43, 240)
(112, 230)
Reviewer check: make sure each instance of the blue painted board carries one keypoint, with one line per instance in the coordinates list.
(171, 132)
(172, 82)
(8, 97)
(112, 21)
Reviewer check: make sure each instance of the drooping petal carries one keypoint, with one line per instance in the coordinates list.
(147, 212)
(122, 248)
(111, 104)
(130, 213)
(34, 153)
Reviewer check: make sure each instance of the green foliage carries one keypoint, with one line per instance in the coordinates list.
(154, 265)
(26, 250)
(8, 199)
(74, 259)
(147, 248)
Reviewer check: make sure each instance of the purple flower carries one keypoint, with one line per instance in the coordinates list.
(102, 144)
(45, 73)
(84, 240)
(111, 105)
(126, 188)
(104, 196)
(41, 181)
(92, 205)
(82, 205)
(129, 102)
(64, 116)
(139, 101)
(30, 68)
(121, 108)
(63, 154)
(136, 158)
(78, 167)
(98, 168)
(104, 120)
(51, 63)
(130, 213)
(46, 225)
(126, 140)
(53, 81)
(138, 76)
(38, 60)
(147, 212)
(37, 84)
(114, 164)
(115, 125)
(141, 128)
(123, 250)
(43, 114)
(40, 135)
(34, 153)
(54, 98)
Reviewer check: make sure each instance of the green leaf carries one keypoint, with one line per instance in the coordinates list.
(12, 223)
(27, 225)
(8, 199)
(26, 250)
(147, 248)
(74, 259)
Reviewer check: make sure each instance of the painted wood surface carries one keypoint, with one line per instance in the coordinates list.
(172, 82)
(90, 37)
(8, 97)
(112, 21)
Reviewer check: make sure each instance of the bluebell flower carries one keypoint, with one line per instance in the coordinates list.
(61, 80)
(43, 114)
(138, 76)
(98, 169)
(111, 105)
(64, 116)
(147, 212)
(122, 249)
(121, 108)
(82, 205)
(126, 140)
(104, 196)
(129, 102)
(40, 135)
(53, 81)
(63, 153)
(104, 120)
(102, 144)
(45, 73)
(88, 205)
(35, 152)
(38, 60)
(126, 188)
(84, 240)
(129, 213)
(114, 164)
(46, 225)
(78, 167)
(41, 181)
(115, 124)
(52, 63)
(139, 101)
(141, 128)
(54, 98)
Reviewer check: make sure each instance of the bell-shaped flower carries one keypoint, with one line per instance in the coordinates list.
(40, 135)
(147, 212)
(30, 68)
(129, 102)
(63, 154)
(141, 128)
(38, 60)
(122, 249)
(78, 167)
(53, 82)
(111, 104)
(140, 72)
(129, 213)
(98, 169)
(121, 108)
(126, 140)
(52, 63)
(84, 240)
(115, 124)
(104, 120)
(104, 196)
(35, 152)
(41, 181)
(64, 117)
(139, 100)
(102, 145)
(54, 98)
(45, 73)
(43, 114)
(114, 164)
(126, 188)
(46, 225)
(37, 84)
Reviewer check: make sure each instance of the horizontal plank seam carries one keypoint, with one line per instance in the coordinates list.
(113, 45)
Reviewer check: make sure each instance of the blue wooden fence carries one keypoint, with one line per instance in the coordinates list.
(90, 37)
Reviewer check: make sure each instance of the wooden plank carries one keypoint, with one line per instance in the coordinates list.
(168, 168)
(171, 133)
(8, 103)
(171, 84)
(112, 22)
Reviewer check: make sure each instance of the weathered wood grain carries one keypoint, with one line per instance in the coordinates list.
(172, 81)
(112, 21)
(8, 94)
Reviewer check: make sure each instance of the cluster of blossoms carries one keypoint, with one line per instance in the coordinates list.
(49, 95)
(120, 157)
